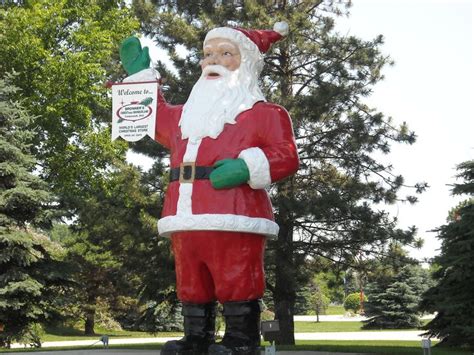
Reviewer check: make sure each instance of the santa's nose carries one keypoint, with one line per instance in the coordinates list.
(212, 59)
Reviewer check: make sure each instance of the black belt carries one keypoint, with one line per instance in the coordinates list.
(188, 172)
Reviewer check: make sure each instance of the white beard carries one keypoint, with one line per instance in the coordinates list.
(213, 103)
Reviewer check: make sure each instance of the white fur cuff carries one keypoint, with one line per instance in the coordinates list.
(217, 222)
(259, 168)
(149, 74)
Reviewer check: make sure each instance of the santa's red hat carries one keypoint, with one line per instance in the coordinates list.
(260, 40)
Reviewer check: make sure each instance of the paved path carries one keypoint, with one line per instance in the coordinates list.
(330, 318)
(408, 335)
(340, 318)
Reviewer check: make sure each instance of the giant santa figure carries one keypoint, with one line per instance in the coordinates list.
(227, 145)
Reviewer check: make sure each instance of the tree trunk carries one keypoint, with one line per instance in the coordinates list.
(285, 289)
(285, 294)
(89, 323)
(89, 313)
(285, 284)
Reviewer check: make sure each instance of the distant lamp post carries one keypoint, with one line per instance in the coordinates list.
(361, 273)
(426, 345)
(362, 296)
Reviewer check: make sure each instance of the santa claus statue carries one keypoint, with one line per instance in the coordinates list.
(227, 145)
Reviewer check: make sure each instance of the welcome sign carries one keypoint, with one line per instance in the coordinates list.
(134, 110)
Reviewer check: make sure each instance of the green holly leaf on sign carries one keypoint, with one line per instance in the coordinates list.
(146, 102)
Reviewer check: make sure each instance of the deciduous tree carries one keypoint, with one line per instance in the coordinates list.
(64, 52)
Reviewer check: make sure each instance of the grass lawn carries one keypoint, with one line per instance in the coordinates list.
(64, 333)
(373, 347)
(310, 327)
(335, 310)
(366, 346)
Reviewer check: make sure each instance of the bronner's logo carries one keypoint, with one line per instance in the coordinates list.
(135, 111)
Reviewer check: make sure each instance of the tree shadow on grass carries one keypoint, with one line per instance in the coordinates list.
(64, 330)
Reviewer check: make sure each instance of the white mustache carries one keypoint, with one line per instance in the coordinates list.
(219, 69)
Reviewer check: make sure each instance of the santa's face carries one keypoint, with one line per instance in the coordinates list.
(220, 51)
(225, 89)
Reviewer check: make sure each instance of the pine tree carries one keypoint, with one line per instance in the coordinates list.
(321, 77)
(29, 262)
(395, 304)
(452, 297)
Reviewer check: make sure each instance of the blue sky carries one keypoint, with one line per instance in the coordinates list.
(430, 87)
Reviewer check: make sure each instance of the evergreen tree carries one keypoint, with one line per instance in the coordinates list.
(321, 77)
(112, 243)
(30, 265)
(395, 304)
(452, 296)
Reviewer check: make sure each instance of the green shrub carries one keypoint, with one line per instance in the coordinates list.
(352, 302)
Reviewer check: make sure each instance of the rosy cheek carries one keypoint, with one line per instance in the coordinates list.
(230, 64)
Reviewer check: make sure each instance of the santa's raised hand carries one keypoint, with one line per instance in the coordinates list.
(134, 58)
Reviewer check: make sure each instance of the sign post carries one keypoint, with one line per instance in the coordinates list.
(134, 110)
(271, 332)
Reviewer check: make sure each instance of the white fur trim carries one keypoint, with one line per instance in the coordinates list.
(234, 35)
(259, 168)
(217, 222)
(185, 199)
(149, 74)
(191, 150)
(282, 28)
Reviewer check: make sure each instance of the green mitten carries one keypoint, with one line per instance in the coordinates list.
(229, 173)
(134, 58)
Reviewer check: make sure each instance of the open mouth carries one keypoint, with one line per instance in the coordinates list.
(213, 75)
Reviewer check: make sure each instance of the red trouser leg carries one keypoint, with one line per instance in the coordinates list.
(210, 265)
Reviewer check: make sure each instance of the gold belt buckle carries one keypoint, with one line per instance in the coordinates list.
(183, 178)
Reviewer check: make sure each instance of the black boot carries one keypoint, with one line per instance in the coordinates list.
(199, 329)
(242, 329)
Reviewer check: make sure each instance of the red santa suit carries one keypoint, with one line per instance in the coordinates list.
(218, 236)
